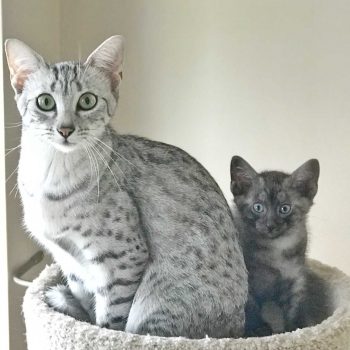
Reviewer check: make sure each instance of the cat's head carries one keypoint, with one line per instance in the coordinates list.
(272, 202)
(66, 104)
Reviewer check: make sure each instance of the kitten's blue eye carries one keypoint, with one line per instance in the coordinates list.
(46, 102)
(87, 101)
(258, 207)
(285, 209)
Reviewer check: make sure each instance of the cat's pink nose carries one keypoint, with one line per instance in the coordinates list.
(66, 131)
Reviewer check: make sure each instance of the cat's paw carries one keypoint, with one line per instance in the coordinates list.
(62, 300)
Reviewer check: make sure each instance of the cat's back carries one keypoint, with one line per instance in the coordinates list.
(155, 156)
(171, 173)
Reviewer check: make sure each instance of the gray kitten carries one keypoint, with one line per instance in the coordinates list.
(271, 210)
(140, 229)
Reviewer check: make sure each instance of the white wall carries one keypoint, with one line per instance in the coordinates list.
(267, 80)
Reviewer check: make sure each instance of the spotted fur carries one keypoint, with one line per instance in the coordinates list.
(140, 229)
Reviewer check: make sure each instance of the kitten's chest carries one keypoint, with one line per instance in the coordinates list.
(289, 266)
(275, 256)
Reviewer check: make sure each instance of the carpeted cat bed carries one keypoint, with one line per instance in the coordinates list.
(50, 330)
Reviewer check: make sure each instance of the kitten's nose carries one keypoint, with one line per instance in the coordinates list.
(66, 131)
(269, 227)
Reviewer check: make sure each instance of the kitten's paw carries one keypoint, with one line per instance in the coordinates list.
(62, 300)
(272, 314)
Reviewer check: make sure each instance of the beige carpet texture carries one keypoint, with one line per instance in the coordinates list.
(50, 330)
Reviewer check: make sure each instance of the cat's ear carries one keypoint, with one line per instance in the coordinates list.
(305, 178)
(109, 58)
(22, 61)
(242, 176)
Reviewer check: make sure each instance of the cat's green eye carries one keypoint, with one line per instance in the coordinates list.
(285, 209)
(258, 207)
(87, 101)
(46, 102)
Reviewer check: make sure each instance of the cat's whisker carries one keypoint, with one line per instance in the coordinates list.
(12, 174)
(97, 170)
(111, 158)
(13, 126)
(93, 145)
(10, 150)
(15, 187)
(87, 152)
(115, 152)
(14, 123)
(106, 163)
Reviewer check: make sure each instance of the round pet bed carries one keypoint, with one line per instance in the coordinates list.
(50, 330)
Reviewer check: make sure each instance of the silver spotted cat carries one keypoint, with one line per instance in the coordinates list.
(141, 231)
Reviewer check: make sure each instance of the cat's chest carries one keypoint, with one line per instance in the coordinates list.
(63, 231)
(44, 218)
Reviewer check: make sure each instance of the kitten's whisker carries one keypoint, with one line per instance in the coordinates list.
(116, 153)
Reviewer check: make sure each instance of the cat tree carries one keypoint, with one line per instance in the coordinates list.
(50, 330)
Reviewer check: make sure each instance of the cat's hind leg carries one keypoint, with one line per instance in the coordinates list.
(172, 303)
(61, 299)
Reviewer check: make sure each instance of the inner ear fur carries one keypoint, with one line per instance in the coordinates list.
(242, 175)
(22, 61)
(109, 58)
(305, 178)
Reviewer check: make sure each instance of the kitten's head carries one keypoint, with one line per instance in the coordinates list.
(66, 104)
(272, 202)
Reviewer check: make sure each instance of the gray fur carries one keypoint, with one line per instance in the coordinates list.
(140, 229)
(281, 287)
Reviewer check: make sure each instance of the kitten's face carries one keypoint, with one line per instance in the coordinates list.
(270, 206)
(271, 203)
(66, 105)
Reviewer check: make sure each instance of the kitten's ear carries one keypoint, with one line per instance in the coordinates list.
(109, 58)
(242, 175)
(305, 178)
(22, 61)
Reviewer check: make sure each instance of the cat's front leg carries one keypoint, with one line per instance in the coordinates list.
(255, 325)
(292, 301)
(272, 314)
(117, 276)
(113, 303)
